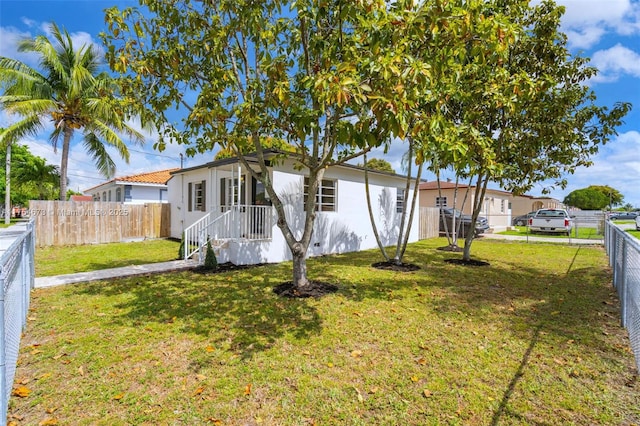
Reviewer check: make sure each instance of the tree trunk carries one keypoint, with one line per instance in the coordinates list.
(68, 132)
(370, 210)
(7, 194)
(300, 280)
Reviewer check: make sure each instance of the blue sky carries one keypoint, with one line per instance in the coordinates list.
(607, 31)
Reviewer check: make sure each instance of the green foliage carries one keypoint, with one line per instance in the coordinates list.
(182, 247)
(69, 91)
(587, 199)
(613, 195)
(267, 143)
(297, 72)
(379, 164)
(31, 177)
(210, 261)
(523, 118)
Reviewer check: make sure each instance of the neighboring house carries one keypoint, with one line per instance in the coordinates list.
(496, 206)
(523, 204)
(135, 189)
(81, 198)
(221, 201)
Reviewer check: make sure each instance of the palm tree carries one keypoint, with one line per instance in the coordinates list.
(72, 94)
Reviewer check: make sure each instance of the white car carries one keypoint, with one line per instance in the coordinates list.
(637, 223)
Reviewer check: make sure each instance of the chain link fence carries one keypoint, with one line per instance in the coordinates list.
(17, 278)
(624, 257)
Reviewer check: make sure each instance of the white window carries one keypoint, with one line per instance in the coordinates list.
(502, 203)
(197, 196)
(326, 197)
(118, 195)
(441, 201)
(232, 192)
(400, 200)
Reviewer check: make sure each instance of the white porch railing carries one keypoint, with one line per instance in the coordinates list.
(235, 223)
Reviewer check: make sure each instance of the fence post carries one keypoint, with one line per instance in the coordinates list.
(623, 289)
(4, 397)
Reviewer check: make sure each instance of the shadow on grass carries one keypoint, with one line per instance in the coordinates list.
(237, 309)
(247, 317)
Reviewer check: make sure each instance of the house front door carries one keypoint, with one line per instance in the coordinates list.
(261, 201)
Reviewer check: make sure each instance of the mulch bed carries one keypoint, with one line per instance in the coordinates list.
(470, 262)
(391, 266)
(314, 289)
(224, 267)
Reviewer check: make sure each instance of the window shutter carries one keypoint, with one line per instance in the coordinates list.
(223, 191)
(204, 196)
(190, 203)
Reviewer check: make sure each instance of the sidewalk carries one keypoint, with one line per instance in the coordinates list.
(125, 271)
(538, 239)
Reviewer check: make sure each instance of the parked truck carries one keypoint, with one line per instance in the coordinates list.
(551, 221)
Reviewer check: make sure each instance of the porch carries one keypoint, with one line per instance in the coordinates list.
(238, 223)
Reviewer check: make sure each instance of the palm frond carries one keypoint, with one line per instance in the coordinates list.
(103, 161)
(29, 126)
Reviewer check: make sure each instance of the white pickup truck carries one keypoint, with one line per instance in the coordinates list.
(551, 221)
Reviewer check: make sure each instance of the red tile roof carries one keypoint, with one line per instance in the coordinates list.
(159, 177)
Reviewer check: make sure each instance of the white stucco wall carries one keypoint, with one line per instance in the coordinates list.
(140, 193)
(347, 229)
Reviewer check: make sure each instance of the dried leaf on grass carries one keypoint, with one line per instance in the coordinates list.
(21, 391)
(247, 389)
(49, 422)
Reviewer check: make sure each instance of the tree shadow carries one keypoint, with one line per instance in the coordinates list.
(237, 309)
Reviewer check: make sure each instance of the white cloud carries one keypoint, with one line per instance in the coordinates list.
(11, 36)
(616, 165)
(615, 61)
(587, 21)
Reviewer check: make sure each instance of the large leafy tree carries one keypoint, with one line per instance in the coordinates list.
(586, 199)
(594, 197)
(378, 164)
(526, 115)
(69, 91)
(323, 76)
(614, 196)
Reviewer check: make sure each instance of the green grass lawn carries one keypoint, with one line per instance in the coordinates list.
(581, 232)
(71, 259)
(534, 338)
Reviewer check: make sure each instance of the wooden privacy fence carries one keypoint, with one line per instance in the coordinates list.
(60, 223)
(429, 222)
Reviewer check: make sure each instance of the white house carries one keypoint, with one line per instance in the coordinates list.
(220, 201)
(135, 189)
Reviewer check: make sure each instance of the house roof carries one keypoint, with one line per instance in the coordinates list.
(159, 177)
(433, 185)
(270, 153)
(443, 185)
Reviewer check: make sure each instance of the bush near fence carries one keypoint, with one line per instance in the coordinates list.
(60, 223)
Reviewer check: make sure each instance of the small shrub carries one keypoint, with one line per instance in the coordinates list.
(210, 261)
(181, 248)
